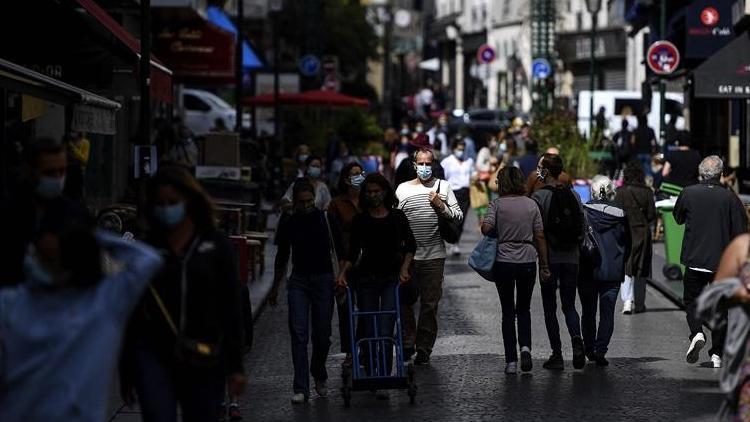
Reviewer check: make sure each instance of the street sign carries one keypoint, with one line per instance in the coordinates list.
(663, 57)
(541, 69)
(485, 54)
(309, 65)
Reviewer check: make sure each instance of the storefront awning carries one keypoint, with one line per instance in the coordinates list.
(726, 74)
(91, 113)
(161, 77)
(218, 17)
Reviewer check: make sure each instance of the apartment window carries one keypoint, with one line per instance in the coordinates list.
(506, 9)
(570, 6)
(579, 20)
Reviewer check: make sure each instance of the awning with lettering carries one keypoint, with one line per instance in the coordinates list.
(161, 77)
(726, 74)
(91, 113)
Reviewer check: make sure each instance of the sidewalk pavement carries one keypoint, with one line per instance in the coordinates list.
(259, 290)
(671, 289)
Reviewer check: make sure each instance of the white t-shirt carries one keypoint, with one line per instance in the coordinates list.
(458, 173)
(414, 200)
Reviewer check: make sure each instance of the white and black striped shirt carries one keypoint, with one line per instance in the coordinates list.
(414, 200)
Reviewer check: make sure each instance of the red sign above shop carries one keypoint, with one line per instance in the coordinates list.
(197, 52)
(709, 27)
(710, 16)
(663, 57)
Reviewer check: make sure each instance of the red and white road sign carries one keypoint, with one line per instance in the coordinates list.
(663, 57)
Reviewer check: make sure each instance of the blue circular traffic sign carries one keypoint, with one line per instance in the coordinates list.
(309, 65)
(541, 69)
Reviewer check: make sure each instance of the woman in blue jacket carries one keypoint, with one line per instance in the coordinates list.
(601, 276)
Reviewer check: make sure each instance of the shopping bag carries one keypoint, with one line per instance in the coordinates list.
(482, 258)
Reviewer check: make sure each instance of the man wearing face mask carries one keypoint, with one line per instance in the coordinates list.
(422, 199)
(28, 205)
(406, 172)
(458, 171)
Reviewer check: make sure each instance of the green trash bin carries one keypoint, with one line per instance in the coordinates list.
(673, 235)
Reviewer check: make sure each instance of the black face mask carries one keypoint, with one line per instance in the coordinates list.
(305, 208)
(375, 201)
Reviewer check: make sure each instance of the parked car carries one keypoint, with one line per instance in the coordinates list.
(478, 121)
(202, 108)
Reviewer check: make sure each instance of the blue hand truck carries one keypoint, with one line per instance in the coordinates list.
(355, 378)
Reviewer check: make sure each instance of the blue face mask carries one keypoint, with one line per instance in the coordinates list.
(503, 147)
(459, 153)
(50, 187)
(424, 172)
(302, 158)
(170, 215)
(357, 180)
(313, 172)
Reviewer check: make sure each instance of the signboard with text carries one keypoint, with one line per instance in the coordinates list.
(709, 27)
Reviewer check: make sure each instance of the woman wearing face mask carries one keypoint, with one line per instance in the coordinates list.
(314, 175)
(383, 243)
(301, 154)
(314, 242)
(458, 173)
(343, 209)
(186, 338)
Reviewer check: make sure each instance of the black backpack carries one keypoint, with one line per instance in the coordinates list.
(564, 222)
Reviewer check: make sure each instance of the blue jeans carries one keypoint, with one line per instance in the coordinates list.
(376, 295)
(597, 341)
(309, 296)
(521, 278)
(645, 160)
(564, 276)
(161, 385)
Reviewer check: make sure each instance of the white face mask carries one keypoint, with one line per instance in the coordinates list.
(459, 153)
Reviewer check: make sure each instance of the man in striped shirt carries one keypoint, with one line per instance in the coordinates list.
(422, 199)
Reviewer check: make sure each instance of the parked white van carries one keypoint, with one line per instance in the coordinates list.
(202, 108)
(614, 102)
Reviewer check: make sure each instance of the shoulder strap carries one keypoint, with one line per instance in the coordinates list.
(163, 309)
(332, 247)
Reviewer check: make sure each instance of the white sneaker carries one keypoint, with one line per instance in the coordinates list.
(511, 367)
(298, 398)
(695, 348)
(456, 251)
(716, 360)
(321, 387)
(627, 309)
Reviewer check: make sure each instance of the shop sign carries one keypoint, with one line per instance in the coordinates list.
(663, 57)
(709, 27)
(94, 120)
(196, 50)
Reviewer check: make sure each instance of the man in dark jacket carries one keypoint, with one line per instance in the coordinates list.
(713, 216)
(601, 279)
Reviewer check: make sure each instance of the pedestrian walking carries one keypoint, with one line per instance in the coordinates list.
(301, 154)
(314, 175)
(425, 200)
(516, 222)
(624, 145)
(600, 281)
(713, 216)
(637, 199)
(535, 183)
(383, 247)
(562, 214)
(186, 338)
(61, 330)
(314, 242)
(458, 173)
(342, 210)
(723, 304)
(645, 142)
(405, 172)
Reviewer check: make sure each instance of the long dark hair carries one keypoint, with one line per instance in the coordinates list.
(199, 206)
(389, 197)
(634, 174)
(510, 181)
(344, 176)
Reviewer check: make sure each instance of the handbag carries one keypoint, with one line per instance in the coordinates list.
(447, 227)
(192, 352)
(483, 257)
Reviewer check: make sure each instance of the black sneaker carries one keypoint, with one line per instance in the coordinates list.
(591, 356)
(526, 363)
(555, 362)
(422, 358)
(601, 360)
(579, 358)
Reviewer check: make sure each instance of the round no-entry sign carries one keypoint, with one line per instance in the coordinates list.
(663, 57)
(485, 54)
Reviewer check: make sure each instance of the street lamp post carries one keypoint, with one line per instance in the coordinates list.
(662, 85)
(593, 7)
(454, 33)
(275, 7)
(238, 67)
